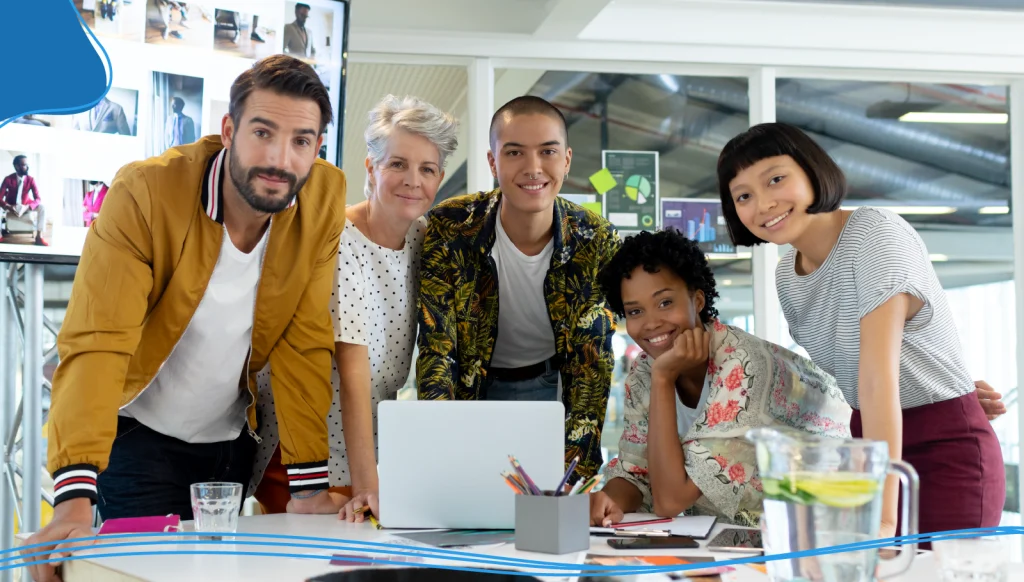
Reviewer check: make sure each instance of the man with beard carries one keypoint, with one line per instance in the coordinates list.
(207, 263)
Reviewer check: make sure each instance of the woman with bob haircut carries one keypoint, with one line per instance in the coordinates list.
(860, 295)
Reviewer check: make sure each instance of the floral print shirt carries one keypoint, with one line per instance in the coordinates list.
(458, 312)
(753, 383)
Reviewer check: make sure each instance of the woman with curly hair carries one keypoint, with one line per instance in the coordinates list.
(696, 389)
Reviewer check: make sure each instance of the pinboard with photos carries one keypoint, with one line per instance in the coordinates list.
(172, 65)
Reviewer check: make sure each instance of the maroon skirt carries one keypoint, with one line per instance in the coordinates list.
(958, 460)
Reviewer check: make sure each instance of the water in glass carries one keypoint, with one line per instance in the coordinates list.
(215, 508)
(822, 493)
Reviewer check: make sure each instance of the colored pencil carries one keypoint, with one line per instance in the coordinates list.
(517, 481)
(589, 485)
(522, 472)
(368, 514)
(513, 486)
(597, 481)
(565, 479)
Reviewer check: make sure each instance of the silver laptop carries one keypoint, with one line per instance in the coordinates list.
(440, 463)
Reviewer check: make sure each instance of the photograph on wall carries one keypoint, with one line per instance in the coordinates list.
(179, 23)
(632, 202)
(243, 34)
(115, 18)
(309, 31)
(177, 111)
(700, 220)
(82, 201)
(116, 113)
(87, 10)
(24, 216)
(38, 120)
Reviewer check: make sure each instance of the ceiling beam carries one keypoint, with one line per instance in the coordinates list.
(568, 18)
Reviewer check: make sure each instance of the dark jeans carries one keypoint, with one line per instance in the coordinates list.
(543, 387)
(150, 473)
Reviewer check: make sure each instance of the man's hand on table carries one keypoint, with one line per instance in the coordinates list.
(71, 519)
(322, 503)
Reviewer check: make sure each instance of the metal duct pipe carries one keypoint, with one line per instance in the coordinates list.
(849, 124)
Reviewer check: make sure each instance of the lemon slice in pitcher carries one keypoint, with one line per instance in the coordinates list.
(839, 491)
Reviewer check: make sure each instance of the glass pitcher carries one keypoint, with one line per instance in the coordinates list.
(822, 492)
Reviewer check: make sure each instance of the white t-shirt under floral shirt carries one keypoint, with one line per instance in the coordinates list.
(373, 304)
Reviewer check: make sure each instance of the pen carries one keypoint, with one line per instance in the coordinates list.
(568, 472)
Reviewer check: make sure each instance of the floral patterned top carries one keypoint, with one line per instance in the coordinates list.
(753, 383)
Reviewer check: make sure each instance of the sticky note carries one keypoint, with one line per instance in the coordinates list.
(603, 181)
(594, 207)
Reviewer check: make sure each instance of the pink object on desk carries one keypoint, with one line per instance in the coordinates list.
(155, 523)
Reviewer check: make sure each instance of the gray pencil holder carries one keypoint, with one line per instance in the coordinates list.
(553, 525)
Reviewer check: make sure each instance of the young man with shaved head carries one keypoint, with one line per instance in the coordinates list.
(509, 304)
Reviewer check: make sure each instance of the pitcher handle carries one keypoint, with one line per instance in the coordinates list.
(910, 487)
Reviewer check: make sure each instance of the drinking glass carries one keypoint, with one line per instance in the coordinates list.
(977, 559)
(215, 508)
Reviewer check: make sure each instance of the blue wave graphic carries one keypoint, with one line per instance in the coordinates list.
(53, 76)
(553, 568)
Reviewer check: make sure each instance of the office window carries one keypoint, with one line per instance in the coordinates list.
(683, 121)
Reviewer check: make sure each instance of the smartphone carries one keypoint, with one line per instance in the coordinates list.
(659, 543)
(737, 540)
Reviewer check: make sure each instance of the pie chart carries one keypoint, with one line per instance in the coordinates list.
(638, 189)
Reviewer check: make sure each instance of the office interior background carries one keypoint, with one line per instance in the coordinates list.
(681, 77)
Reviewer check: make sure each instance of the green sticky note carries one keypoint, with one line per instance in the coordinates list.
(603, 181)
(594, 207)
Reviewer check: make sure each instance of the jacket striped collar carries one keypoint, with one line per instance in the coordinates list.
(569, 233)
(213, 187)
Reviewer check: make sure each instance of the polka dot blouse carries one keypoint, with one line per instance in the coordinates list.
(373, 304)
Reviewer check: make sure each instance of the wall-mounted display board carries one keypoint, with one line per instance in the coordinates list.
(172, 65)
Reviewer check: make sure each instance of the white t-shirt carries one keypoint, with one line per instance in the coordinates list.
(878, 256)
(524, 326)
(686, 417)
(374, 304)
(197, 396)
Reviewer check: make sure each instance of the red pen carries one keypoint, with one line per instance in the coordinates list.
(623, 524)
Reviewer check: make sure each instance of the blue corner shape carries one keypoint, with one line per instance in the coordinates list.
(51, 64)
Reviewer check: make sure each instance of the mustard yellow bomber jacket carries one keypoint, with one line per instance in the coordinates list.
(144, 269)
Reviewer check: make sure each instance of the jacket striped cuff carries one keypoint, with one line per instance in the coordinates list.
(307, 477)
(74, 481)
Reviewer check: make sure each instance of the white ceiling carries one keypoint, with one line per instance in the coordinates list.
(508, 16)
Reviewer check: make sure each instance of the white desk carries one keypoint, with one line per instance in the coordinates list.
(230, 568)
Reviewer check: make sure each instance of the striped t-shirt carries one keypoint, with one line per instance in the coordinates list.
(878, 256)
